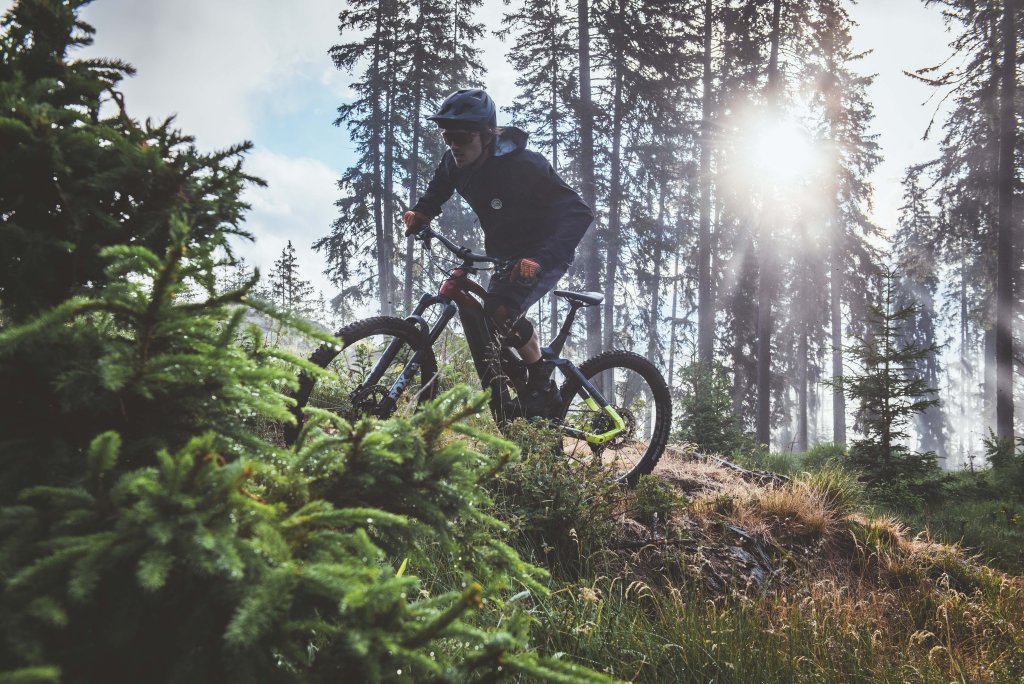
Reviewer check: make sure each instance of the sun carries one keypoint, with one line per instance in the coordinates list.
(781, 151)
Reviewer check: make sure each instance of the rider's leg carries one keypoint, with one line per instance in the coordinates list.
(504, 306)
(530, 352)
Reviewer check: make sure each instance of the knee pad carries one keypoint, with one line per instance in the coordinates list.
(508, 322)
(522, 331)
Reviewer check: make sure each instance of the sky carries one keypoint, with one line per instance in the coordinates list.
(258, 70)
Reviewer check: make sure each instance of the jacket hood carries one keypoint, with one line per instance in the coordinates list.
(510, 139)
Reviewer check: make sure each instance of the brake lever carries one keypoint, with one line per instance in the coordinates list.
(424, 237)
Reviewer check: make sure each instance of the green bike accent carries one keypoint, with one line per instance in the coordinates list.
(609, 410)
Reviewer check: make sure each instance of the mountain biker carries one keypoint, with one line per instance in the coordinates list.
(531, 220)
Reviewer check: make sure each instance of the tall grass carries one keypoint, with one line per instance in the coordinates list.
(822, 632)
(852, 598)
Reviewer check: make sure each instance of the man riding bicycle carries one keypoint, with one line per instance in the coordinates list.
(531, 220)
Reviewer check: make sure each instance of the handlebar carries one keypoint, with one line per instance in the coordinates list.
(463, 253)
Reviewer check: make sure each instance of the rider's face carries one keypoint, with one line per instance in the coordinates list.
(466, 146)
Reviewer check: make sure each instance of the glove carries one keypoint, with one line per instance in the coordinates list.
(415, 222)
(525, 270)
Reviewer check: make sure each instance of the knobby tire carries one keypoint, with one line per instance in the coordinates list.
(384, 326)
(662, 403)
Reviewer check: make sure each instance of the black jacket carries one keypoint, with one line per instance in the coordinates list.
(524, 208)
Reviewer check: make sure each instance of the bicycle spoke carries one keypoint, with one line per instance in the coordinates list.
(629, 441)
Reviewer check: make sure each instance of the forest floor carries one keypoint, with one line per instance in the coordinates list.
(718, 574)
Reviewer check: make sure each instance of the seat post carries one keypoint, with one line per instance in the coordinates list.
(559, 342)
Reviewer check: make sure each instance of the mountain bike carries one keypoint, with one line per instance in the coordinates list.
(614, 407)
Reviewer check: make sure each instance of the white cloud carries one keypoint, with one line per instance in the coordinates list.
(297, 205)
(211, 61)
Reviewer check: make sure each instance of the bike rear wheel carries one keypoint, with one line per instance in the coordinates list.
(361, 379)
(636, 389)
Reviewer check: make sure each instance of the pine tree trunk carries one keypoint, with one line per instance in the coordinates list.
(965, 365)
(654, 312)
(836, 309)
(378, 181)
(1004, 237)
(801, 388)
(414, 162)
(672, 322)
(588, 247)
(614, 237)
(553, 121)
(389, 294)
(766, 264)
(705, 304)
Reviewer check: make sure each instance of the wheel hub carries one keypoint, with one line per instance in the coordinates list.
(602, 423)
(368, 401)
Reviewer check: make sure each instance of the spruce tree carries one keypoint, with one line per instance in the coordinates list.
(287, 290)
(888, 390)
(973, 182)
(148, 531)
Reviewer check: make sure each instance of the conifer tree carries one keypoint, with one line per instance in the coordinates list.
(918, 259)
(147, 531)
(287, 290)
(888, 390)
(973, 181)
(408, 55)
(55, 110)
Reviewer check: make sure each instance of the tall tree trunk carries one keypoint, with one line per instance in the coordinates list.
(414, 160)
(654, 313)
(1004, 237)
(388, 295)
(836, 316)
(553, 120)
(766, 266)
(705, 304)
(801, 389)
(588, 248)
(614, 237)
(672, 321)
(378, 182)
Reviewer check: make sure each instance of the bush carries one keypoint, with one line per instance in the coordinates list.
(1007, 459)
(822, 456)
(654, 499)
(560, 511)
(707, 418)
(760, 458)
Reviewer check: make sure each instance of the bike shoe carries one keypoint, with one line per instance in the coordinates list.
(542, 402)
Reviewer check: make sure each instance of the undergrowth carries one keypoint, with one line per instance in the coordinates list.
(650, 585)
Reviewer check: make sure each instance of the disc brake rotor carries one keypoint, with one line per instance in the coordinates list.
(366, 401)
(602, 424)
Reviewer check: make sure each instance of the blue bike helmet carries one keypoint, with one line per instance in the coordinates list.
(469, 108)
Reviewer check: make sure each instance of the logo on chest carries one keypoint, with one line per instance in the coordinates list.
(496, 203)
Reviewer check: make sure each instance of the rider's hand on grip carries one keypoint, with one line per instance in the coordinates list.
(415, 222)
(524, 270)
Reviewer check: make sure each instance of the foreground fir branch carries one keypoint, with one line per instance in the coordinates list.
(180, 546)
(151, 529)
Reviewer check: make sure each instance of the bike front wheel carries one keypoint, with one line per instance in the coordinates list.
(370, 374)
(637, 391)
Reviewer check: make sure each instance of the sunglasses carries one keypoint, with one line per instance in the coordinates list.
(460, 138)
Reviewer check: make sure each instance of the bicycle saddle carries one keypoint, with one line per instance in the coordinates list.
(581, 298)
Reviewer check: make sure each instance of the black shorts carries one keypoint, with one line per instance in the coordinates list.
(520, 295)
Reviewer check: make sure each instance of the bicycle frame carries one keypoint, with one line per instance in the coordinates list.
(459, 295)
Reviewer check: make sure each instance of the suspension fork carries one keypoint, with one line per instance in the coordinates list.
(428, 336)
(595, 401)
